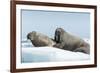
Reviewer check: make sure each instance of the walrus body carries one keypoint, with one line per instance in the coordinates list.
(67, 41)
(39, 39)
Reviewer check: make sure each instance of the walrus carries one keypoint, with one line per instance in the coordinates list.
(70, 42)
(39, 39)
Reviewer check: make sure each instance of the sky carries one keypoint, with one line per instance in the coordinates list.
(46, 22)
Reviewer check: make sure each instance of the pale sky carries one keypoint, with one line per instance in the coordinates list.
(47, 21)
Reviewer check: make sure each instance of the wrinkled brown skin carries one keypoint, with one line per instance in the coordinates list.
(39, 39)
(70, 42)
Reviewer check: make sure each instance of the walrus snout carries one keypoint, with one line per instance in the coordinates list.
(57, 35)
(28, 36)
(31, 35)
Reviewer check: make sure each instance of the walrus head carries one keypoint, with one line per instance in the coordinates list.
(58, 33)
(31, 35)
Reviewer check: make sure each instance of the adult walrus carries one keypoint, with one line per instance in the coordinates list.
(39, 39)
(70, 42)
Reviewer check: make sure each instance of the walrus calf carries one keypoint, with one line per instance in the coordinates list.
(39, 39)
(70, 42)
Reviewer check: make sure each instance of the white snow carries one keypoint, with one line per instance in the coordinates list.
(51, 54)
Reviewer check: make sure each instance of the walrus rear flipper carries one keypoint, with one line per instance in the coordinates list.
(82, 49)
